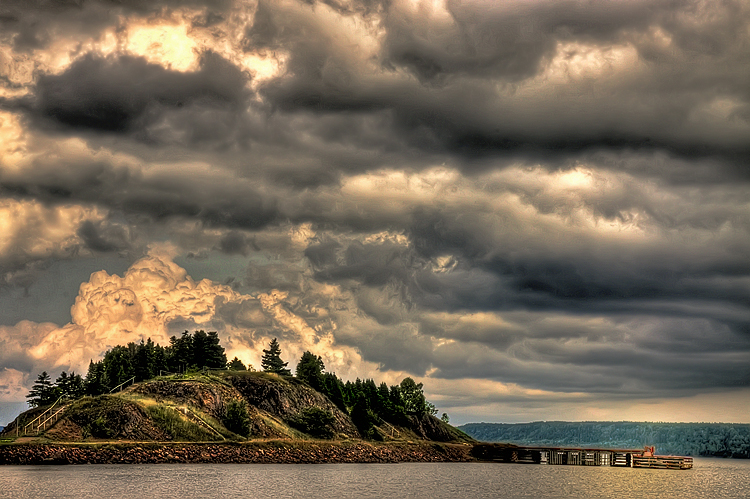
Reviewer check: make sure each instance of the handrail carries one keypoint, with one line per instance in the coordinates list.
(185, 411)
(39, 416)
(124, 382)
(393, 429)
(44, 423)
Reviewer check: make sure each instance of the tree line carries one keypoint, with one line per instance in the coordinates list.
(367, 403)
(687, 439)
(141, 361)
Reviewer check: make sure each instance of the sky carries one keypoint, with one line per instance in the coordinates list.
(539, 209)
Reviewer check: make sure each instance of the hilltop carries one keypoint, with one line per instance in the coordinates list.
(220, 406)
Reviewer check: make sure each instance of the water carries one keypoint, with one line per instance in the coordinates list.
(710, 478)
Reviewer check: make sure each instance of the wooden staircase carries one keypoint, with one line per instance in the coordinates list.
(43, 421)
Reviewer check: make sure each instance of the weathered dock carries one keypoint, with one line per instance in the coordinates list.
(647, 459)
(570, 456)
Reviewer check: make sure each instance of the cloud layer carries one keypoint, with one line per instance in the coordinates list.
(541, 209)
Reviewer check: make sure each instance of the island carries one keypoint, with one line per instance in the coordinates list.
(131, 409)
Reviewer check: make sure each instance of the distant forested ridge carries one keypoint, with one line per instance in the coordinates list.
(687, 439)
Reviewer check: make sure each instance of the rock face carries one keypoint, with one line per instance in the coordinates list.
(286, 398)
(270, 400)
(429, 427)
(211, 398)
(106, 417)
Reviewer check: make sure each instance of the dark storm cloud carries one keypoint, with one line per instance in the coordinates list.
(371, 264)
(128, 94)
(590, 275)
(618, 372)
(509, 40)
(236, 243)
(159, 197)
(457, 108)
(96, 239)
(665, 307)
(557, 272)
(624, 357)
(392, 348)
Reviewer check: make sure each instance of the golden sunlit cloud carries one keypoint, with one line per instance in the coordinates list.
(13, 145)
(41, 231)
(155, 293)
(168, 46)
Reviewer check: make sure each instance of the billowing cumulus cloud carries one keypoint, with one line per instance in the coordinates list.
(541, 209)
(156, 298)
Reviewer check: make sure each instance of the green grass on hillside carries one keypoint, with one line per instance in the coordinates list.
(177, 426)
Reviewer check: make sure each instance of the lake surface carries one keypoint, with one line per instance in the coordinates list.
(710, 478)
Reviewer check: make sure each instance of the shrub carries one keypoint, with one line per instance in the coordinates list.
(236, 419)
(99, 428)
(314, 421)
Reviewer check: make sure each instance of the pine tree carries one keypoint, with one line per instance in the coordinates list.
(332, 388)
(271, 361)
(43, 392)
(362, 417)
(310, 369)
(70, 385)
(236, 365)
(96, 379)
(180, 353)
(214, 353)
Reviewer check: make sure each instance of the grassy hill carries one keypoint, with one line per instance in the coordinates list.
(198, 408)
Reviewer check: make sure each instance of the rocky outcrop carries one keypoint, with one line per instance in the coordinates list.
(211, 398)
(429, 427)
(287, 397)
(106, 417)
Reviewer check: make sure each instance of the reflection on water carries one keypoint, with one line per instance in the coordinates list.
(710, 478)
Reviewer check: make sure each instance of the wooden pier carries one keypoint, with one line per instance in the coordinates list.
(629, 458)
(647, 459)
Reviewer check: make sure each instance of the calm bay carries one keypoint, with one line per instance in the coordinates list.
(710, 478)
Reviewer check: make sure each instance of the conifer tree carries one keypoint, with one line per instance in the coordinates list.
(332, 388)
(236, 365)
(216, 358)
(207, 351)
(362, 417)
(43, 392)
(271, 361)
(96, 380)
(310, 369)
(70, 385)
(180, 353)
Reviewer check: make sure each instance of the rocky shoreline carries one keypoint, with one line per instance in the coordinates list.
(267, 452)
